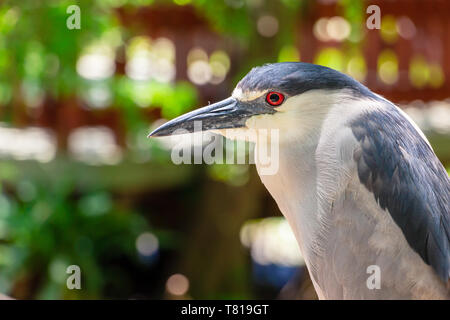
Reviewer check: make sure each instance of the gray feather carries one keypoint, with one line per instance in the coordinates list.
(401, 170)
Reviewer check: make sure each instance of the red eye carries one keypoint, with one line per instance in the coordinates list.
(274, 98)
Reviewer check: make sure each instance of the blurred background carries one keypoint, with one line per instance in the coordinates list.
(80, 184)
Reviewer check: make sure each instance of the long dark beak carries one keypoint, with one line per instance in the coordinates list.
(225, 114)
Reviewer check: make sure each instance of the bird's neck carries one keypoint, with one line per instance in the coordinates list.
(293, 186)
(302, 124)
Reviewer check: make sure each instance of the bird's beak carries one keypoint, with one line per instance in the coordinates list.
(225, 114)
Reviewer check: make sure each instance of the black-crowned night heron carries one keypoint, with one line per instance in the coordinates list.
(357, 180)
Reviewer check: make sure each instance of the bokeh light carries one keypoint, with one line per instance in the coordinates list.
(98, 95)
(406, 27)
(148, 59)
(388, 30)
(267, 26)
(320, 30)
(332, 58)
(288, 53)
(437, 77)
(388, 67)
(271, 241)
(335, 28)
(419, 73)
(356, 67)
(203, 70)
(147, 244)
(338, 28)
(96, 63)
(177, 284)
(94, 145)
(31, 143)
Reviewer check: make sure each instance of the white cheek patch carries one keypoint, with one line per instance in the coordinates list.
(247, 95)
(261, 121)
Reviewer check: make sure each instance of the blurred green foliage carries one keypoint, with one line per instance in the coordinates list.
(44, 229)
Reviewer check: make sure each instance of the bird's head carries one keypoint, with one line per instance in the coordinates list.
(291, 96)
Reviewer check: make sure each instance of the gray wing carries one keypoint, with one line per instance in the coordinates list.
(401, 170)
